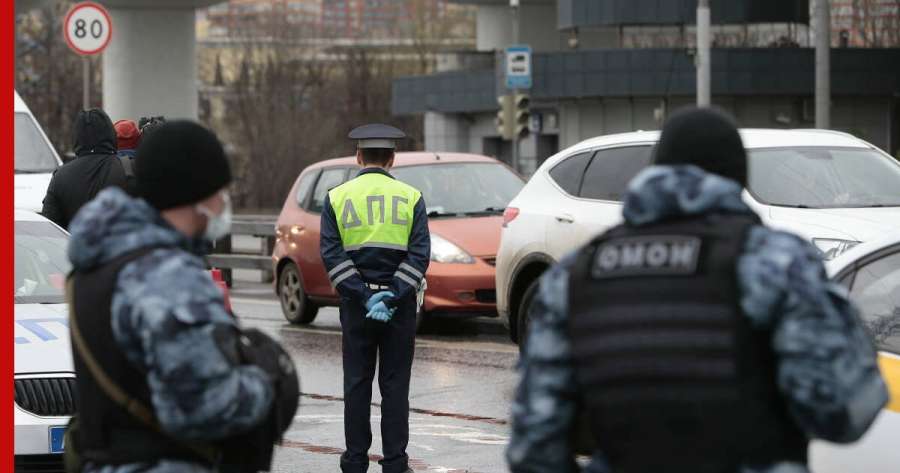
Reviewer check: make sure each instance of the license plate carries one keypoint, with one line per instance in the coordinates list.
(57, 439)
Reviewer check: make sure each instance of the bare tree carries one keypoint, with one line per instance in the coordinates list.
(289, 111)
(279, 124)
(275, 118)
(48, 75)
(287, 99)
(433, 30)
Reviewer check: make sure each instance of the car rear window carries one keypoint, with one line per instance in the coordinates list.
(330, 179)
(305, 185)
(569, 172)
(611, 170)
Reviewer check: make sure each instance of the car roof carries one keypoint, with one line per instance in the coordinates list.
(22, 215)
(412, 158)
(753, 138)
(860, 251)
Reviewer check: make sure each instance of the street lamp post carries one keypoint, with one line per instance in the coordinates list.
(514, 6)
(823, 64)
(704, 66)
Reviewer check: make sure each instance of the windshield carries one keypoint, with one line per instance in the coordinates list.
(462, 188)
(33, 154)
(824, 177)
(41, 262)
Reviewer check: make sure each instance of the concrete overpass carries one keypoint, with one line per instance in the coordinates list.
(150, 66)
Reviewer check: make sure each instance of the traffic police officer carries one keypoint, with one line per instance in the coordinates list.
(691, 337)
(376, 247)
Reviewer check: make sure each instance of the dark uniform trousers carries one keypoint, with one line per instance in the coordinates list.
(393, 343)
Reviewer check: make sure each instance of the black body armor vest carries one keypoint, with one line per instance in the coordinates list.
(108, 434)
(673, 376)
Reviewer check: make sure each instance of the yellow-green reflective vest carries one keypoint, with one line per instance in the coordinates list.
(374, 211)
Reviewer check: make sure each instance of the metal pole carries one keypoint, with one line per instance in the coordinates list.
(514, 5)
(704, 59)
(823, 64)
(86, 83)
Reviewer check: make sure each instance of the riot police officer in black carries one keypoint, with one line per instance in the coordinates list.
(688, 337)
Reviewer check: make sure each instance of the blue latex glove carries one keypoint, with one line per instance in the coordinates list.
(378, 297)
(380, 312)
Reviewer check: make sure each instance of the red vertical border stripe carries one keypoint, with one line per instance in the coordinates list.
(7, 12)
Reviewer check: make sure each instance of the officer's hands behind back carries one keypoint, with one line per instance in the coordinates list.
(378, 297)
(378, 310)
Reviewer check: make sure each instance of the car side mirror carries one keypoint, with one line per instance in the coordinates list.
(68, 156)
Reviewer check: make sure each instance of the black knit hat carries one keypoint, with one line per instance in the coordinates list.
(180, 163)
(707, 138)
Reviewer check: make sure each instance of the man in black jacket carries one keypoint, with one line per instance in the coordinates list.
(94, 168)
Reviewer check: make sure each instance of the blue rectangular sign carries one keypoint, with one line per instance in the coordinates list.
(518, 67)
(57, 439)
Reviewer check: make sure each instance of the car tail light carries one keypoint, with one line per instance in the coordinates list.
(509, 215)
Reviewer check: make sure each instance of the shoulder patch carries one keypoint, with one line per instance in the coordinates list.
(657, 255)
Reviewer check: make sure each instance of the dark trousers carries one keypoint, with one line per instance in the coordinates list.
(393, 344)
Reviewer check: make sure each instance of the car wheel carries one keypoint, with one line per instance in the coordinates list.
(522, 314)
(295, 306)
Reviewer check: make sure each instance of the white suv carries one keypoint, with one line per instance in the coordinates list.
(827, 186)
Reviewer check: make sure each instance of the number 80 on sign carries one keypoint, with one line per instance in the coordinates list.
(87, 28)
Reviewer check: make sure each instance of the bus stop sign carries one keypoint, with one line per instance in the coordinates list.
(518, 67)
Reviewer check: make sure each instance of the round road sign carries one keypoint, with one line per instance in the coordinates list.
(87, 28)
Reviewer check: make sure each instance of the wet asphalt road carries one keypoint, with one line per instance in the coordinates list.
(462, 385)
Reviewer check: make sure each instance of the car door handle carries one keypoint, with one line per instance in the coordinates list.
(565, 218)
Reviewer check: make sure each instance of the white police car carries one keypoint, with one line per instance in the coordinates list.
(44, 373)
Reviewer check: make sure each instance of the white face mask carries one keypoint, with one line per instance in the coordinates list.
(217, 226)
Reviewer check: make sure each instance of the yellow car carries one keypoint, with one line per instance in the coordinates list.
(871, 271)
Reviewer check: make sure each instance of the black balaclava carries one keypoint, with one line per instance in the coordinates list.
(707, 138)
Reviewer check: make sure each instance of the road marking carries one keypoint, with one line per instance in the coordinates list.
(421, 446)
(460, 434)
(247, 300)
(414, 463)
(427, 412)
(481, 347)
(418, 427)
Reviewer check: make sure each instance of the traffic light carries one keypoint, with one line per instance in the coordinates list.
(521, 115)
(506, 117)
(514, 115)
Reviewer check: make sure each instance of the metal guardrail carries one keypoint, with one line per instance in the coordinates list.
(240, 261)
(224, 258)
(260, 229)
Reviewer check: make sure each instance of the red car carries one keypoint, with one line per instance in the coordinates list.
(465, 196)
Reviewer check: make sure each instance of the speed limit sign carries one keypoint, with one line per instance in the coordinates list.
(87, 28)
